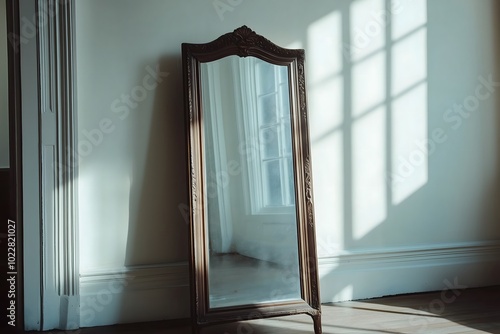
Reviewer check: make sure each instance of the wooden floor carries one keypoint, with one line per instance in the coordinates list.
(466, 311)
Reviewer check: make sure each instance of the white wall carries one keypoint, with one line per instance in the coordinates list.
(370, 115)
(4, 90)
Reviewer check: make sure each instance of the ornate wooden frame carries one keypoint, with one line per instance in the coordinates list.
(245, 42)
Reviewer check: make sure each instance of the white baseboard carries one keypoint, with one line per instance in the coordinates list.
(150, 293)
(369, 274)
(134, 294)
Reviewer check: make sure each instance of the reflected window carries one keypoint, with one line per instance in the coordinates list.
(266, 120)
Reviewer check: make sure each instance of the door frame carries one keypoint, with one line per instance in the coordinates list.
(47, 177)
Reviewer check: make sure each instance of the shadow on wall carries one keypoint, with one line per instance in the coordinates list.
(157, 185)
(159, 173)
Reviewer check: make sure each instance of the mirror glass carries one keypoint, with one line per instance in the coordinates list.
(252, 250)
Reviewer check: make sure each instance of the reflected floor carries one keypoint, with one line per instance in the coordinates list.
(239, 280)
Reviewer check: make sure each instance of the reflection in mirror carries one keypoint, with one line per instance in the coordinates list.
(252, 230)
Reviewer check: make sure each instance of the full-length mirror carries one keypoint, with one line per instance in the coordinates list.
(252, 243)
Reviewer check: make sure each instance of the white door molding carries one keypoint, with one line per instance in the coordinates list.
(59, 170)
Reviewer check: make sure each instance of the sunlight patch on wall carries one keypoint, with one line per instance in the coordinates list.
(410, 15)
(409, 149)
(324, 56)
(369, 199)
(329, 196)
(386, 50)
(345, 294)
(369, 84)
(369, 75)
(409, 143)
(101, 191)
(368, 22)
(409, 61)
(326, 106)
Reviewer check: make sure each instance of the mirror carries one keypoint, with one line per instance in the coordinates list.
(251, 220)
